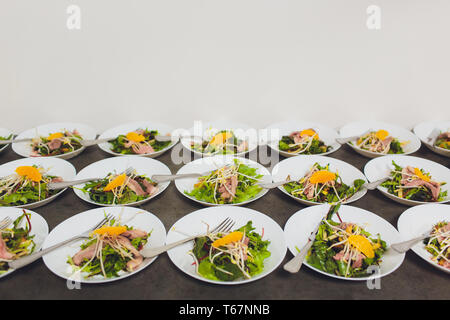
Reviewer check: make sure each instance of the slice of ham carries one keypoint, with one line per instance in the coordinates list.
(444, 135)
(54, 144)
(408, 181)
(149, 188)
(134, 185)
(137, 257)
(142, 148)
(231, 185)
(57, 179)
(87, 253)
(4, 254)
(134, 233)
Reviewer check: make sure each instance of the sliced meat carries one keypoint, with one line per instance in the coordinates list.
(134, 185)
(309, 191)
(4, 254)
(134, 233)
(149, 188)
(358, 261)
(87, 253)
(296, 137)
(242, 147)
(57, 179)
(433, 186)
(407, 172)
(228, 190)
(137, 257)
(142, 148)
(444, 135)
(54, 144)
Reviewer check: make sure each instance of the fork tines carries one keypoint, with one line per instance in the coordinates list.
(104, 221)
(5, 222)
(224, 226)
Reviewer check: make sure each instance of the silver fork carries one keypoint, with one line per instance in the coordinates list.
(404, 246)
(26, 260)
(224, 226)
(65, 184)
(348, 139)
(5, 222)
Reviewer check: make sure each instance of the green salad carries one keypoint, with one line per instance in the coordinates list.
(438, 244)
(322, 186)
(56, 144)
(414, 184)
(230, 256)
(5, 138)
(140, 141)
(26, 185)
(110, 250)
(344, 248)
(224, 142)
(234, 183)
(443, 140)
(16, 242)
(303, 142)
(117, 189)
(380, 142)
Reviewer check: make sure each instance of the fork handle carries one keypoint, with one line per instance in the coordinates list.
(26, 260)
(88, 143)
(404, 246)
(153, 252)
(294, 265)
(373, 185)
(170, 177)
(65, 184)
(14, 140)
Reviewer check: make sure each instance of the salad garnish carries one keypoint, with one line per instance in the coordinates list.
(56, 143)
(344, 248)
(110, 250)
(16, 242)
(120, 188)
(443, 140)
(224, 142)
(6, 138)
(304, 142)
(228, 256)
(140, 141)
(380, 142)
(438, 244)
(234, 183)
(323, 186)
(26, 185)
(414, 184)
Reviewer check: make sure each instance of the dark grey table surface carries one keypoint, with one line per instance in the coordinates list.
(415, 279)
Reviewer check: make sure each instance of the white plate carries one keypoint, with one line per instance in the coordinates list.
(424, 129)
(24, 148)
(4, 133)
(56, 167)
(39, 227)
(326, 134)
(100, 169)
(132, 126)
(403, 135)
(420, 219)
(56, 260)
(300, 225)
(193, 224)
(207, 164)
(241, 130)
(297, 167)
(380, 167)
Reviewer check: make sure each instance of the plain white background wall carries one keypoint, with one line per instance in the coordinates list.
(257, 61)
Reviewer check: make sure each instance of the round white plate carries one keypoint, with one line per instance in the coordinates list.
(132, 126)
(424, 129)
(4, 133)
(204, 165)
(277, 130)
(56, 260)
(24, 148)
(297, 167)
(402, 134)
(39, 227)
(56, 167)
(419, 220)
(300, 225)
(209, 129)
(380, 167)
(100, 169)
(194, 224)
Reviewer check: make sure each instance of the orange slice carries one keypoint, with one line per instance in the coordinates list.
(362, 244)
(55, 135)
(116, 182)
(29, 172)
(382, 134)
(310, 133)
(322, 176)
(135, 137)
(220, 138)
(421, 176)
(112, 231)
(231, 237)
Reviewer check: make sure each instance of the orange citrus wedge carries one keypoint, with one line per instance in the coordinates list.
(220, 138)
(231, 237)
(116, 182)
(29, 172)
(55, 135)
(322, 176)
(112, 231)
(362, 244)
(421, 176)
(310, 133)
(135, 137)
(381, 134)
